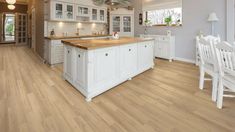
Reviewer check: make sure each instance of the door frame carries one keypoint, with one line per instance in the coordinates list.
(3, 28)
(33, 28)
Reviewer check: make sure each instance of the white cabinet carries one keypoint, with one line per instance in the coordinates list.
(145, 55)
(53, 51)
(69, 12)
(98, 15)
(164, 46)
(76, 11)
(96, 71)
(122, 21)
(68, 64)
(61, 11)
(80, 67)
(57, 10)
(104, 67)
(128, 61)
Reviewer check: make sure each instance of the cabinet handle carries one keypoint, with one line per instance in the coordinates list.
(129, 49)
(106, 54)
(68, 52)
(79, 56)
(145, 46)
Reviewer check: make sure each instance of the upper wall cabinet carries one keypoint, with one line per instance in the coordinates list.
(76, 11)
(99, 15)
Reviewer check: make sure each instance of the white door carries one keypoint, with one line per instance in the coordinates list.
(69, 11)
(58, 10)
(80, 69)
(68, 59)
(127, 26)
(21, 28)
(104, 67)
(102, 16)
(145, 57)
(115, 25)
(128, 60)
(94, 14)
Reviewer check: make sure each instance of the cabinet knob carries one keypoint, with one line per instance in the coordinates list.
(106, 54)
(79, 56)
(68, 51)
(129, 49)
(145, 46)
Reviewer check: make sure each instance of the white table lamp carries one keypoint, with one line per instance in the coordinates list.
(213, 18)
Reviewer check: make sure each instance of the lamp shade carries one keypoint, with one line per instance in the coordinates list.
(11, 7)
(11, 2)
(213, 17)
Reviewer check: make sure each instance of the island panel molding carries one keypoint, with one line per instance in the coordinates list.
(94, 71)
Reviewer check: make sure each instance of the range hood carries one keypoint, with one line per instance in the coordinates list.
(113, 3)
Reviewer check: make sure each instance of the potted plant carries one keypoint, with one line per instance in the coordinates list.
(168, 20)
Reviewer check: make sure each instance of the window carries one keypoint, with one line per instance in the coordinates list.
(172, 16)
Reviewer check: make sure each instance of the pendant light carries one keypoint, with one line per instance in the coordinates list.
(11, 7)
(11, 2)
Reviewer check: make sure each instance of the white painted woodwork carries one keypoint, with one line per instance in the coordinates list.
(230, 21)
(208, 64)
(213, 39)
(93, 72)
(164, 46)
(122, 21)
(225, 54)
(76, 11)
(54, 50)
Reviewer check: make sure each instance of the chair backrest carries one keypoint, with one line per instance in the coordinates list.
(226, 58)
(206, 51)
(213, 39)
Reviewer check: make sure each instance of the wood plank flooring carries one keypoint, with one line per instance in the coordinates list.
(35, 98)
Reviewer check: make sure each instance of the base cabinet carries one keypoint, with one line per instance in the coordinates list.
(128, 61)
(68, 64)
(164, 46)
(104, 67)
(145, 51)
(96, 71)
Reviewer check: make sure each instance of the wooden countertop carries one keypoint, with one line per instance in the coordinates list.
(103, 43)
(71, 37)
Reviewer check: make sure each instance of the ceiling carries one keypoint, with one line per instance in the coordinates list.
(17, 1)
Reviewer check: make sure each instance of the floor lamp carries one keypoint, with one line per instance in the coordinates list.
(213, 18)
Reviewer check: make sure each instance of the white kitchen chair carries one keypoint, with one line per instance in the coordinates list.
(208, 65)
(226, 64)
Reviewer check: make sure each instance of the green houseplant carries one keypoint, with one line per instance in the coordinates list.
(168, 20)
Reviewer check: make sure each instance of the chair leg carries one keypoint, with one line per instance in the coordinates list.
(220, 95)
(214, 88)
(202, 76)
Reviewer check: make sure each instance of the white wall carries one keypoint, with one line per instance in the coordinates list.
(195, 14)
(230, 21)
(71, 28)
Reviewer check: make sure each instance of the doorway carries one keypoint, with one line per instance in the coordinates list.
(7, 28)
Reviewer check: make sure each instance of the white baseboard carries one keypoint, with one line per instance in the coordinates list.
(185, 60)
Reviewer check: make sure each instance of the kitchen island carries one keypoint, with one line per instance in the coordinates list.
(97, 65)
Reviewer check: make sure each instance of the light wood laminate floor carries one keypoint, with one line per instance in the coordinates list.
(35, 98)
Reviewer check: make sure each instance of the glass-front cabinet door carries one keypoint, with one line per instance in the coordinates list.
(127, 24)
(83, 11)
(94, 14)
(116, 22)
(58, 10)
(69, 11)
(102, 15)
